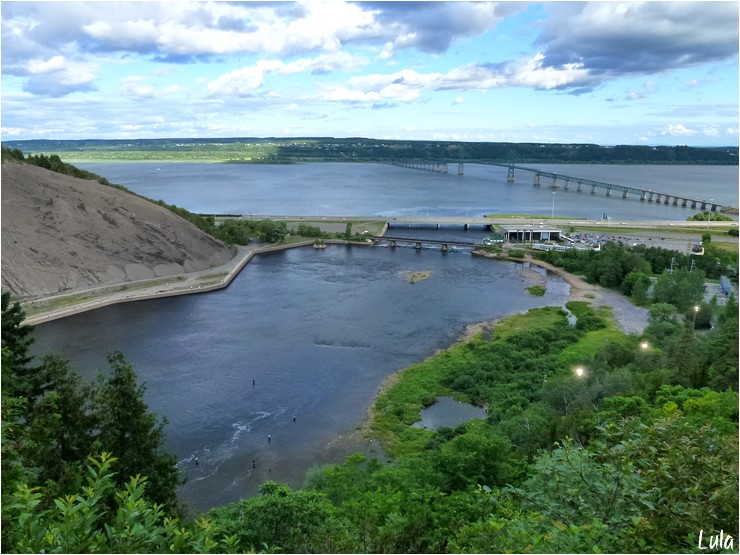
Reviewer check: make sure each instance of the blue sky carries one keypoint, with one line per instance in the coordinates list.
(656, 73)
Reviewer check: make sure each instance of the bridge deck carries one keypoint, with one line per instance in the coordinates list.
(644, 194)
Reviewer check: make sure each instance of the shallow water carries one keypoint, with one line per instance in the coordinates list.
(447, 412)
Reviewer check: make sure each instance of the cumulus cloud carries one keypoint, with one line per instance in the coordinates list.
(678, 129)
(58, 76)
(616, 38)
(245, 80)
(407, 85)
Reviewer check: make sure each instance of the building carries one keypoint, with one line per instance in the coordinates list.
(526, 233)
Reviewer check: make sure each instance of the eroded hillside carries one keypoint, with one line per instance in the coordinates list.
(62, 234)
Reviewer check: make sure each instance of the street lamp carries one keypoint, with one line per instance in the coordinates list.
(552, 215)
(696, 311)
(580, 371)
(644, 345)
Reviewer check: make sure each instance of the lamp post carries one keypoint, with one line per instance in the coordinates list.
(552, 215)
(696, 311)
(644, 345)
(580, 371)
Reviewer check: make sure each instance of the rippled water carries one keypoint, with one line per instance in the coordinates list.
(377, 189)
(317, 330)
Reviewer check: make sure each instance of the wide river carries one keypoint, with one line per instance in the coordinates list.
(296, 348)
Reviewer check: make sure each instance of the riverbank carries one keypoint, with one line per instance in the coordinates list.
(53, 307)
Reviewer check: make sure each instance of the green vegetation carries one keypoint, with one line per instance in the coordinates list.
(537, 290)
(323, 149)
(708, 216)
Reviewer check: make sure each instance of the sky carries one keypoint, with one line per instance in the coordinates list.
(653, 73)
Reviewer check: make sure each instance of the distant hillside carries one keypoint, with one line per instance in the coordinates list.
(358, 149)
(64, 234)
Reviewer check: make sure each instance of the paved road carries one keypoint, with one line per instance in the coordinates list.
(193, 282)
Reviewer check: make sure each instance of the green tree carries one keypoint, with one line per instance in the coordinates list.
(132, 433)
(101, 518)
(654, 482)
(681, 288)
(271, 232)
(18, 377)
(282, 520)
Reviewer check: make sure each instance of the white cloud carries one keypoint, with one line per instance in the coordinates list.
(678, 130)
(66, 72)
(249, 78)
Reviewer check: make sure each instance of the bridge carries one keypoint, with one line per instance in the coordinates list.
(394, 241)
(648, 195)
(568, 181)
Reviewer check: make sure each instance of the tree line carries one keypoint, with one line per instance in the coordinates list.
(285, 150)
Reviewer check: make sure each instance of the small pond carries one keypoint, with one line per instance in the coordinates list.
(446, 412)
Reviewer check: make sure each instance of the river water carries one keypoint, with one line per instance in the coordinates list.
(317, 331)
(296, 348)
(377, 189)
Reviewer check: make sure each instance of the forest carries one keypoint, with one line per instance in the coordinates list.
(638, 452)
(329, 149)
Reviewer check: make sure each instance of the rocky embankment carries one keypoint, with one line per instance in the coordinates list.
(61, 234)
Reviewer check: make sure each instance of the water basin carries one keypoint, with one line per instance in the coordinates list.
(446, 412)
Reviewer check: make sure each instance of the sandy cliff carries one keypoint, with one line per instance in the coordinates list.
(62, 234)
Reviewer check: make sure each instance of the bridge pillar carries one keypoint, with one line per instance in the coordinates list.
(444, 247)
(393, 244)
(666, 199)
(465, 226)
(714, 207)
(675, 201)
(624, 194)
(554, 183)
(684, 202)
(608, 191)
(510, 174)
(536, 179)
(693, 204)
(703, 205)
(460, 168)
(565, 185)
(580, 185)
(642, 195)
(650, 197)
(593, 189)
(657, 198)
(418, 246)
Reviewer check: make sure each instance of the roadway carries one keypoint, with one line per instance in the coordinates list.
(461, 220)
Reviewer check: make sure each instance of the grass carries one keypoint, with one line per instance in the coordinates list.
(534, 320)
(63, 301)
(588, 345)
(537, 290)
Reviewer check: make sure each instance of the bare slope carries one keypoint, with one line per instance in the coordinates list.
(63, 234)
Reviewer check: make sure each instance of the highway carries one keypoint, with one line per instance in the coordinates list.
(461, 220)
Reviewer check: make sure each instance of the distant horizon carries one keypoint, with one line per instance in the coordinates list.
(655, 73)
(318, 137)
